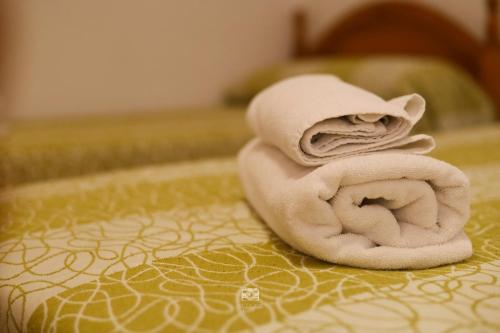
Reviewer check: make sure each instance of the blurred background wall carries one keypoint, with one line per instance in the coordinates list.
(94, 56)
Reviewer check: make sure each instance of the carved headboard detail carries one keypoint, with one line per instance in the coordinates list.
(407, 28)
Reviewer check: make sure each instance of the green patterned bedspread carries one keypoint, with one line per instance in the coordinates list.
(55, 148)
(176, 248)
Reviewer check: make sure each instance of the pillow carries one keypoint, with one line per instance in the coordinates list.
(453, 98)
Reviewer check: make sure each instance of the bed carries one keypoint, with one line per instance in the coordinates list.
(456, 74)
(35, 150)
(173, 247)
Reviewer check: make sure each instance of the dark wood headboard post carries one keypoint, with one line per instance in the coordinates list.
(489, 65)
(299, 33)
(492, 23)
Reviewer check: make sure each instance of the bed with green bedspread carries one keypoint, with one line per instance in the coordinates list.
(175, 247)
(34, 150)
(49, 149)
(453, 98)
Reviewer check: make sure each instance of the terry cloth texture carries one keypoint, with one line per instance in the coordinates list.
(334, 173)
(317, 118)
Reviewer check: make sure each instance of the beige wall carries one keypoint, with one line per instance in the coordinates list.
(115, 55)
(72, 57)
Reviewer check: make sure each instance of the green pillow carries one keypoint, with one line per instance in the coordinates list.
(453, 98)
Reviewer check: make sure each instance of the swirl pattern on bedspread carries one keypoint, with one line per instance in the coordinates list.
(171, 248)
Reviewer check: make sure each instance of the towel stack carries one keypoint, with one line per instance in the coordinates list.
(334, 172)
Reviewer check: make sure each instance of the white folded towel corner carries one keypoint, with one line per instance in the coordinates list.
(364, 196)
(317, 118)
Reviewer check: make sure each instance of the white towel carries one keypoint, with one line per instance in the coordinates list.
(381, 210)
(317, 118)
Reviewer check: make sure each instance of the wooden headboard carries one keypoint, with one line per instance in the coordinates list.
(407, 28)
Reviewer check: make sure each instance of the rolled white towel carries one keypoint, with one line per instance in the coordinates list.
(382, 210)
(314, 119)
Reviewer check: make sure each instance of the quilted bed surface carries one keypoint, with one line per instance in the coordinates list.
(175, 247)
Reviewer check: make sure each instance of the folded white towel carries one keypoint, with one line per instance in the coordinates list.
(381, 210)
(316, 118)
